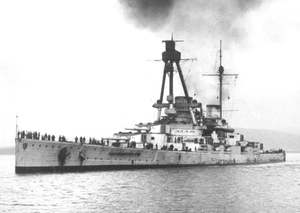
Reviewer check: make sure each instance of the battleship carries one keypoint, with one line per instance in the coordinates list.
(183, 134)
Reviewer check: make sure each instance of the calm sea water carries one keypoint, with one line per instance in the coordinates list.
(252, 188)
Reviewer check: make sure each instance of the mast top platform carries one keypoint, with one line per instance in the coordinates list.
(170, 44)
(171, 54)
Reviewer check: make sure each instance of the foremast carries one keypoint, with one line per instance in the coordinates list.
(170, 57)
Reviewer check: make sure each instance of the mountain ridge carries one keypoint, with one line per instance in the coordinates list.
(272, 139)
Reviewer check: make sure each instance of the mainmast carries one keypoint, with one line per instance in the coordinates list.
(221, 71)
(220, 74)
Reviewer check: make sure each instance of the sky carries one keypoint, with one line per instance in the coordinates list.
(86, 68)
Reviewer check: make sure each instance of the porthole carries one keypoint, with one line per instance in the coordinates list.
(95, 158)
(32, 144)
(94, 149)
(39, 145)
(46, 146)
(52, 146)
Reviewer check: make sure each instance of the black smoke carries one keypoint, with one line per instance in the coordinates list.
(151, 14)
(195, 17)
(202, 24)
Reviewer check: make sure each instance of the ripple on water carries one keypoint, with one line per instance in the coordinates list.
(251, 188)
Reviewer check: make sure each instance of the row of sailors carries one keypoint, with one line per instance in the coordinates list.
(37, 136)
(61, 138)
(91, 141)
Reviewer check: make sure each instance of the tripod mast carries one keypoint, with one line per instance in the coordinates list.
(170, 57)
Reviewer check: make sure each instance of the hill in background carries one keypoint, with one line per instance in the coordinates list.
(270, 138)
(7, 150)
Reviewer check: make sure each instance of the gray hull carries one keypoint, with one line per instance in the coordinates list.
(42, 156)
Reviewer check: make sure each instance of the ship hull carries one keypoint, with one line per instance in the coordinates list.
(34, 156)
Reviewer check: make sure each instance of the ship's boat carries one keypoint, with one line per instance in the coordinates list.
(183, 136)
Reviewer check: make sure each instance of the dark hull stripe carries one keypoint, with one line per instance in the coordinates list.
(20, 170)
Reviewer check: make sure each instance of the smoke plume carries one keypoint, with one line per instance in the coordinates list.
(196, 17)
(151, 14)
(202, 23)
